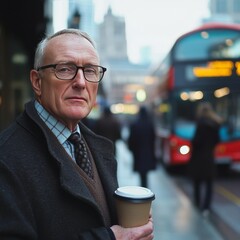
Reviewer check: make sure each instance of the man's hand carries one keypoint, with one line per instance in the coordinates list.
(144, 232)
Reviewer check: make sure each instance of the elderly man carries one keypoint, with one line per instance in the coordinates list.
(57, 177)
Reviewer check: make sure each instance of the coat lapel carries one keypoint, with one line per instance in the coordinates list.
(103, 154)
(70, 178)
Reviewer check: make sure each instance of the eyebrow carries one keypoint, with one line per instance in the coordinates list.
(71, 62)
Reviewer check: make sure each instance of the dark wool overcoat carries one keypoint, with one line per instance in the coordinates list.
(202, 164)
(141, 142)
(42, 195)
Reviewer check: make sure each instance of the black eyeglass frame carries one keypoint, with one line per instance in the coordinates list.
(77, 68)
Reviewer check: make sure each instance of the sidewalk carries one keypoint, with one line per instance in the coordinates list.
(174, 216)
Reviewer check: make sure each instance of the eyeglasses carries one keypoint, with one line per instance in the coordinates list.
(67, 71)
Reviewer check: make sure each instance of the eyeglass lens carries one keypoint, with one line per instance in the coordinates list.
(69, 71)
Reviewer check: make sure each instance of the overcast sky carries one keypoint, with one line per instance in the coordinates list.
(154, 23)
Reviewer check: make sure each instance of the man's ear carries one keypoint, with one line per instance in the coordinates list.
(36, 82)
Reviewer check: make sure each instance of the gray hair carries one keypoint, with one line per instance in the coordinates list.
(40, 50)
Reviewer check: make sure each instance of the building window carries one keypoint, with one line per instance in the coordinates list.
(236, 6)
(221, 6)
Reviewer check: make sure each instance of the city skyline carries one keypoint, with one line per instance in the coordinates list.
(154, 24)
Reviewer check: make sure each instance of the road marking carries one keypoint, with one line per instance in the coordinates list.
(229, 195)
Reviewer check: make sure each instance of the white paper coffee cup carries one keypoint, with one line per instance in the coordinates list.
(133, 205)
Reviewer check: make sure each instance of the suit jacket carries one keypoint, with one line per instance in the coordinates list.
(42, 195)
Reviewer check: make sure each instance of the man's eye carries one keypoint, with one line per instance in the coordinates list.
(65, 69)
(90, 70)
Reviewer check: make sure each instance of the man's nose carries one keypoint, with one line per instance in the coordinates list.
(80, 78)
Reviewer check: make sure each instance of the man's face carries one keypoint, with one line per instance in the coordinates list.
(67, 100)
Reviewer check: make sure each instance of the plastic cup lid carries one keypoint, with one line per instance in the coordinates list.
(135, 192)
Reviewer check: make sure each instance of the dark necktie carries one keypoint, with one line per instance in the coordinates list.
(81, 154)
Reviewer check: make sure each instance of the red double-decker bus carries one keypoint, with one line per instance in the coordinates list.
(202, 65)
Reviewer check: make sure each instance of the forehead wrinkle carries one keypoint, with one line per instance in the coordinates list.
(71, 50)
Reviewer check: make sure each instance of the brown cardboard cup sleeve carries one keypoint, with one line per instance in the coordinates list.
(133, 205)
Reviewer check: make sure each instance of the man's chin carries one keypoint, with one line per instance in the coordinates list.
(78, 115)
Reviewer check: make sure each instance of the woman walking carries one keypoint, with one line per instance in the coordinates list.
(202, 167)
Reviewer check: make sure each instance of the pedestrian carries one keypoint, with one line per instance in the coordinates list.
(202, 168)
(45, 193)
(108, 126)
(141, 142)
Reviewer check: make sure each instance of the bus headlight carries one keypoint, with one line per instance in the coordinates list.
(184, 149)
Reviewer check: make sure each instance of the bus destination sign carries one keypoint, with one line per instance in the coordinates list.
(217, 69)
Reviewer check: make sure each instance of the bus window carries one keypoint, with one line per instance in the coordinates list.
(164, 115)
(227, 107)
(231, 128)
(208, 44)
(184, 113)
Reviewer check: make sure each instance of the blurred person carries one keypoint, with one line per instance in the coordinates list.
(108, 126)
(141, 142)
(44, 193)
(202, 168)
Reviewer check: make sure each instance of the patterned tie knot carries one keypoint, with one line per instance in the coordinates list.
(81, 154)
(74, 138)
